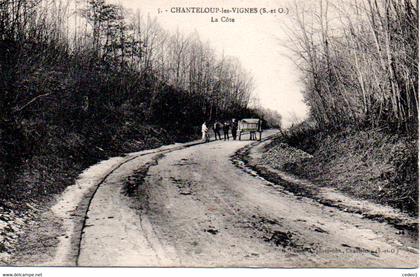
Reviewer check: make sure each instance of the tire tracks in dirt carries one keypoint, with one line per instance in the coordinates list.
(248, 160)
(154, 156)
(213, 214)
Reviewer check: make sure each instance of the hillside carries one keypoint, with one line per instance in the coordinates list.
(114, 83)
(370, 164)
(360, 76)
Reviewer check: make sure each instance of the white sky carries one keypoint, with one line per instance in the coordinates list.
(254, 39)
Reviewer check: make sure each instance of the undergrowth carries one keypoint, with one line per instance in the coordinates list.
(374, 164)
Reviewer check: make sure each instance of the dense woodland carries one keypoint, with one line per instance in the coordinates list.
(82, 80)
(360, 61)
(359, 64)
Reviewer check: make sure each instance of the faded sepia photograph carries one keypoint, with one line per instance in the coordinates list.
(209, 134)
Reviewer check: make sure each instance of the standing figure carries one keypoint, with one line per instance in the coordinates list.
(204, 131)
(253, 135)
(216, 128)
(234, 128)
(226, 130)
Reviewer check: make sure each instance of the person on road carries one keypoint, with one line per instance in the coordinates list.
(226, 130)
(216, 128)
(253, 135)
(234, 128)
(204, 131)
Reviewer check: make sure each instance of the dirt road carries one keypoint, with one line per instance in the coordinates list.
(196, 208)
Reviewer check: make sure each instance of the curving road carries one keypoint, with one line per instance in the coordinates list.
(196, 208)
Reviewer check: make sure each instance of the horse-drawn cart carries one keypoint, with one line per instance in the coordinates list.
(251, 125)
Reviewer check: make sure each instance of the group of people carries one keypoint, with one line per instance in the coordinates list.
(219, 127)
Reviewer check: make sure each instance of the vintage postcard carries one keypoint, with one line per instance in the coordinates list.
(208, 134)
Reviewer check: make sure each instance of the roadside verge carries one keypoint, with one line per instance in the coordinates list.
(51, 236)
(250, 159)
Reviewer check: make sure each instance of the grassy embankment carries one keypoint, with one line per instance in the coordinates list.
(372, 164)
